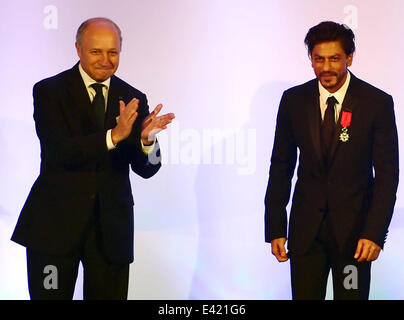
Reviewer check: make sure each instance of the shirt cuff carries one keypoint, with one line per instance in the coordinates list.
(148, 149)
(110, 144)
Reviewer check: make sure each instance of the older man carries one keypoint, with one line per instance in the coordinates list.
(93, 127)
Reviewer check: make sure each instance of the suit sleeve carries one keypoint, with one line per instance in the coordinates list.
(386, 168)
(283, 162)
(58, 144)
(145, 165)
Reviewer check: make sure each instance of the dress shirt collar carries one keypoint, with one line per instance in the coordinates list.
(339, 95)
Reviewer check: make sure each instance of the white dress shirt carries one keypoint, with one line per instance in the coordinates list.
(88, 81)
(339, 95)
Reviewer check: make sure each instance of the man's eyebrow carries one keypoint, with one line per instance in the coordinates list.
(99, 49)
(331, 56)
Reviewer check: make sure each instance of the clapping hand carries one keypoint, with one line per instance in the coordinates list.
(153, 124)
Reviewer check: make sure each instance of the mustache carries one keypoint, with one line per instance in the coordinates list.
(328, 73)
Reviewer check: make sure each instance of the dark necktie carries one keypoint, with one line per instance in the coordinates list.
(99, 104)
(328, 126)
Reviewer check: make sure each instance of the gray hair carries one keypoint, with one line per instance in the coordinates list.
(85, 24)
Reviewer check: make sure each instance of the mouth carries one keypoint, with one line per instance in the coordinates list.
(104, 69)
(101, 74)
(327, 76)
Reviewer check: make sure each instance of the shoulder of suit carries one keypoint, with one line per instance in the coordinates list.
(56, 78)
(368, 89)
(126, 86)
(303, 88)
(53, 83)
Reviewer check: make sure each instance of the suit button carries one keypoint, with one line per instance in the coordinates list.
(98, 167)
(92, 197)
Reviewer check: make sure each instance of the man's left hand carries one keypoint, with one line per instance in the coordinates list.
(153, 124)
(367, 250)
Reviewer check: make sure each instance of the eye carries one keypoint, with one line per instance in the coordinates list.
(335, 59)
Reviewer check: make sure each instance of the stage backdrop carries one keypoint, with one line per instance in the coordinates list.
(221, 67)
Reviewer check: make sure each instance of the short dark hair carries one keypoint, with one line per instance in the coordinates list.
(85, 24)
(330, 31)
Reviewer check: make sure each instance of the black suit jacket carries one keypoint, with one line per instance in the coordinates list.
(357, 188)
(78, 173)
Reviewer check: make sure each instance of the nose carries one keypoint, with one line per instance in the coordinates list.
(104, 60)
(326, 65)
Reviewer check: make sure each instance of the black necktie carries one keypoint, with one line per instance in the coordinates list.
(99, 104)
(328, 126)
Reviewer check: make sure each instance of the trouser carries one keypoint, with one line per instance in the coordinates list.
(54, 277)
(309, 271)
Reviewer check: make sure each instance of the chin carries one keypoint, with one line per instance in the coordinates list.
(101, 76)
(329, 84)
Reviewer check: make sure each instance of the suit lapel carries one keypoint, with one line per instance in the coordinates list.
(347, 105)
(312, 102)
(79, 95)
(113, 104)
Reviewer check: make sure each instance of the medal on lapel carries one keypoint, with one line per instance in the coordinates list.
(345, 123)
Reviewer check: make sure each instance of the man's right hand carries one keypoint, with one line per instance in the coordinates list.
(278, 249)
(127, 117)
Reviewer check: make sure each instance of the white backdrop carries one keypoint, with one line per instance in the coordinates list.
(221, 67)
